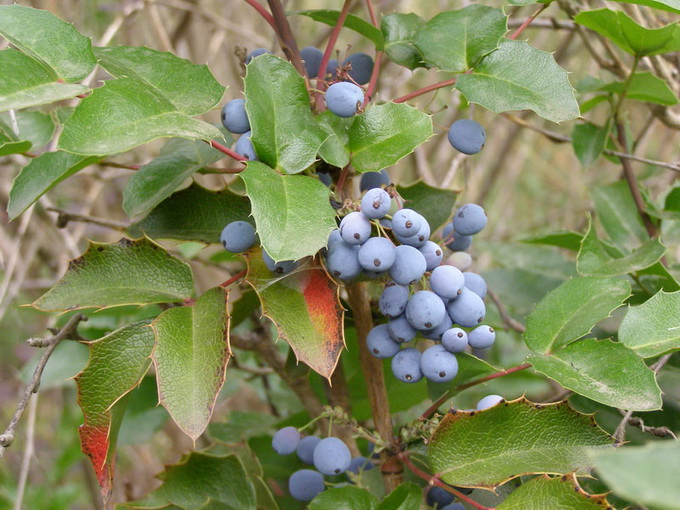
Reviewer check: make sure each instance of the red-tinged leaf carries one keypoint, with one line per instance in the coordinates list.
(306, 309)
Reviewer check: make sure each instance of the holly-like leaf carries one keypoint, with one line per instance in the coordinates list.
(632, 38)
(487, 448)
(292, 212)
(129, 272)
(506, 80)
(285, 135)
(334, 150)
(544, 492)
(456, 40)
(616, 210)
(191, 355)
(385, 133)
(196, 92)
(653, 327)
(571, 310)
(125, 113)
(435, 204)
(569, 240)
(604, 371)
(344, 498)
(305, 307)
(35, 130)
(177, 217)
(102, 386)
(589, 141)
(41, 175)
(353, 22)
(646, 475)
(53, 42)
(407, 496)
(400, 32)
(662, 5)
(26, 82)
(644, 87)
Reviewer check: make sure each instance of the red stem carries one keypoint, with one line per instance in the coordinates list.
(371, 13)
(374, 78)
(425, 90)
(527, 22)
(234, 278)
(263, 12)
(320, 83)
(226, 150)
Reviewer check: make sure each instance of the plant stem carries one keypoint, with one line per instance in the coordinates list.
(338, 395)
(527, 22)
(374, 78)
(226, 150)
(320, 77)
(234, 278)
(425, 90)
(263, 12)
(286, 37)
(371, 13)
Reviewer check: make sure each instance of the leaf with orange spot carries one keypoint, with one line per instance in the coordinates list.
(305, 307)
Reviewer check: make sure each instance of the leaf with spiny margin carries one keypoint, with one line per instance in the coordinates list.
(196, 92)
(26, 82)
(41, 175)
(344, 498)
(644, 87)
(662, 5)
(604, 371)
(507, 80)
(571, 310)
(653, 328)
(616, 210)
(589, 141)
(46, 38)
(353, 22)
(125, 113)
(292, 212)
(567, 239)
(102, 386)
(435, 204)
(487, 448)
(400, 32)
(334, 150)
(305, 307)
(544, 492)
(35, 130)
(190, 356)
(385, 133)
(129, 272)
(177, 217)
(632, 38)
(406, 496)
(456, 40)
(646, 475)
(469, 368)
(285, 135)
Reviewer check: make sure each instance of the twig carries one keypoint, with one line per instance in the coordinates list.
(527, 22)
(508, 321)
(226, 150)
(425, 90)
(321, 75)
(159, 27)
(263, 12)
(234, 278)
(64, 217)
(373, 82)
(28, 452)
(259, 371)
(286, 36)
(371, 13)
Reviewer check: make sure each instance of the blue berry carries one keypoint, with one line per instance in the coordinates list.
(332, 68)
(256, 53)
(406, 365)
(455, 340)
(433, 254)
(305, 448)
(370, 180)
(489, 401)
(305, 484)
(344, 99)
(438, 364)
(380, 344)
(393, 300)
(343, 261)
(355, 228)
(467, 309)
(312, 57)
(331, 456)
(360, 464)
(406, 222)
(436, 333)
(376, 203)
(400, 330)
(438, 497)
(362, 67)
(425, 310)
(469, 220)
(281, 267)
(238, 236)
(482, 337)
(377, 254)
(333, 238)
(409, 265)
(467, 136)
(475, 283)
(455, 241)
(245, 147)
(419, 239)
(447, 282)
(234, 116)
(325, 178)
(286, 440)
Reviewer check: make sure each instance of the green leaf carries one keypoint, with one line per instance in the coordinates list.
(305, 307)
(572, 310)
(615, 207)
(663, 5)
(177, 217)
(196, 92)
(569, 240)
(469, 368)
(242, 425)
(506, 80)
(652, 328)
(591, 103)
(435, 204)
(9, 144)
(334, 150)
(143, 416)
(129, 272)
(123, 114)
(646, 475)
(589, 141)
(293, 215)
(604, 371)
(407, 496)
(400, 32)
(385, 133)
(106, 379)
(191, 355)
(46, 38)
(25, 82)
(456, 40)
(544, 492)
(632, 38)
(644, 87)
(285, 135)
(330, 17)
(344, 498)
(487, 448)
(35, 130)
(41, 175)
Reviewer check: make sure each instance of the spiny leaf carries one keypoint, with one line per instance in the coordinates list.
(353, 22)
(400, 31)
(435, 204)
(653, 328)
(544, 492)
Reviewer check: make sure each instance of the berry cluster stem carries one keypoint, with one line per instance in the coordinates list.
(320, 82)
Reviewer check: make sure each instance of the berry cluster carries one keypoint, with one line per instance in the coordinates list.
(330, 457)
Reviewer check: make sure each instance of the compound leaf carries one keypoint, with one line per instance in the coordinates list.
(652, 328)
(400, 32)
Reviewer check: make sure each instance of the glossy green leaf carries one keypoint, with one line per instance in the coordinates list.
(456, 40)
(177, 217)
(569, 240)
(406, 496)
(353, 22)
(571, 310)
(196, 92)
(435, 204)
(644, 87)
(305, 307)
(51, 41)
(129, 272)
(487, 448)
(292, 212)
(41, 175)
(646, 475)
(344, 498)
(35, 130)
(106, 379)
(652, 328)
(589, 141)
(663, 5)
(191, 355)
(635, 39)
(616, 210)
(25, 82)
(143, 416)
(469, 368)
(285, 135)
(123, 114)
(400, 32)
(543, 492)
(334, 150)
(385, 133)
(604, 371)
(9, 144)
(506, 80)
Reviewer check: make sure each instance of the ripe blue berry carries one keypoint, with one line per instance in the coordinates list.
(467, 309)
(362, 67)
(281, 267)
(234, 116)
(331, 456)
(312, 57)
(489, 401)
(447, 282)
(238, 236)
(343, 261)
(332, 68)
(371, 180)
(409, 265)
(376, 203)
(393, 300)
(333, 238)
(377, 254)
(469, 220)
(438, 364)
(286, 440)
(433, 254)
(406, 222)
(359, 464)
(305, 484)
(325, 178)
(380, 344)
(344, 99)
(438, 497)
(420, 238)
(455, 241)
(245, 147)
(400, 330)
(467, 136)
(406, 365)
(425, 310)
(256, 53)
(305, 449)
(436, 333)
(475, 283)
(455, 340)
(355, 228)
(482, 337)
